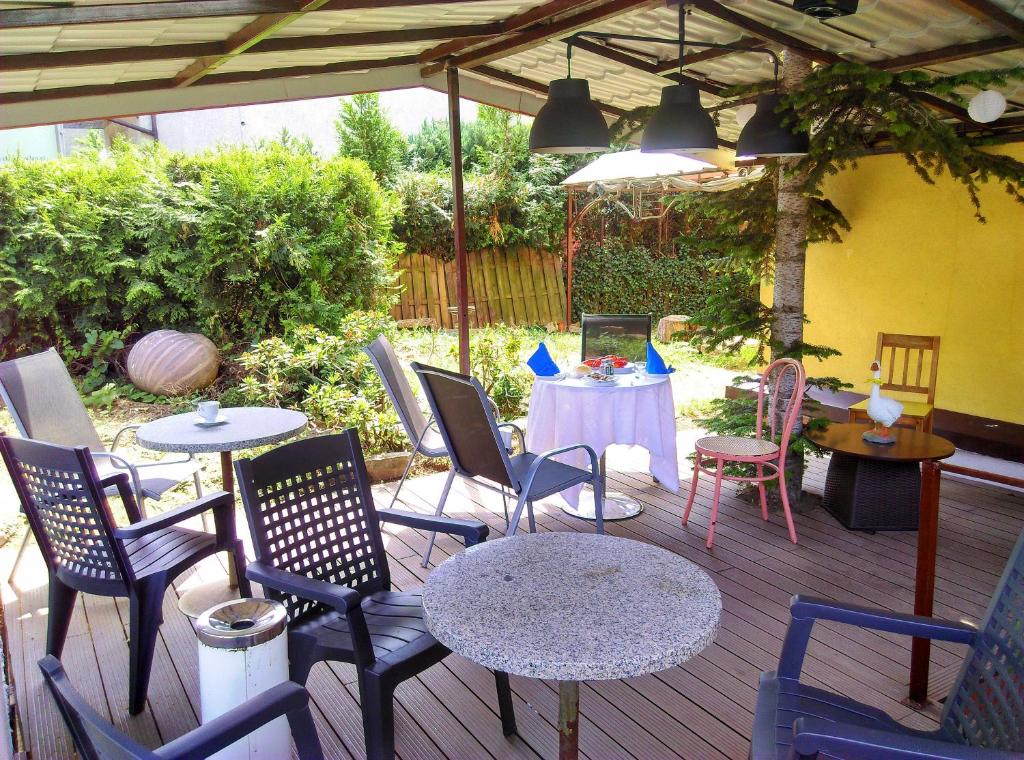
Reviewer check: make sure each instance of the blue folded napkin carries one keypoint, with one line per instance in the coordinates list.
(541, 362)
(655, 364)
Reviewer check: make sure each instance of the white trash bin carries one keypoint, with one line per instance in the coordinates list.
(243, 651)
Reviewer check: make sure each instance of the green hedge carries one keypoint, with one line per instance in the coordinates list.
(622, 278)
(235, 243)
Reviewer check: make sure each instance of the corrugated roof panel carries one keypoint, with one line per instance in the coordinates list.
(78, 76)
(136, 34)
(371, 19)
(321, 57)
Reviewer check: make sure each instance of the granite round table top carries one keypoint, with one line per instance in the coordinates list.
(572, 606)
(246, 426)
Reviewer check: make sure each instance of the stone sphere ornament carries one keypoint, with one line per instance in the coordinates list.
(987, 106)
(172, 363)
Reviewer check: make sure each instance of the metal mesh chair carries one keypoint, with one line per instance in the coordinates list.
(96, 738)
(66, 505)
(423, 436)
(624, 335)
(46, 406)
(316, 533)
(473, 438)
(983, 716)
(781, 383)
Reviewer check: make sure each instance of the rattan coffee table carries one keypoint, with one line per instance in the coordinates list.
(873, 486)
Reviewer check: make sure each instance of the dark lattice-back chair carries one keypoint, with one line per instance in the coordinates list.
(473, 438)
(96, 739)
(624, 335)
(84, 550)
(983, 716)
(316, 533)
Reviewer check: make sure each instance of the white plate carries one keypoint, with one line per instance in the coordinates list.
(600, 383)
(200, 422)
(551, 378)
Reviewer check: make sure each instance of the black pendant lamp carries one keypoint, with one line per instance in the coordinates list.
(765, 135)
(569, 122)
(680, 125)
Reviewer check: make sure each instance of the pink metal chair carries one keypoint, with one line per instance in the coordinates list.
(784, 377)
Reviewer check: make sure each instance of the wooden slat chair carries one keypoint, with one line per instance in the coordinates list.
(620, 334)
(982, 718)
(66, 505)
(910, 364)
(319, 551)
(96, 738)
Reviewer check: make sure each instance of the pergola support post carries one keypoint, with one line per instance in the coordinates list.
(459, 219)
(569, 248)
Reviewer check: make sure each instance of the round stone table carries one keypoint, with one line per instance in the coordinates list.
(244, 428)
(571, 607)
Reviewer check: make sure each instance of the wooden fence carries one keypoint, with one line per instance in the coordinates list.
(514, 287)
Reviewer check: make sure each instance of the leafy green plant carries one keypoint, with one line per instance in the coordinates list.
(236, 243)
(365, 132)
(495, 355)
(328, 376)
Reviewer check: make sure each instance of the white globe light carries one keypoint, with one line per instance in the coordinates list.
(745, 113)
(986, 106)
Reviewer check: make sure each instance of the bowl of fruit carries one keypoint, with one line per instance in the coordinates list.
(620, 365)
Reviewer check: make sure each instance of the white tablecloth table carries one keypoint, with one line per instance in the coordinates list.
(638, 410)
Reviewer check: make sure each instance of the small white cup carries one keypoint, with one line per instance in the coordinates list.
(209, 410)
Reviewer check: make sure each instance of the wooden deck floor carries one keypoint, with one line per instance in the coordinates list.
(700, 710)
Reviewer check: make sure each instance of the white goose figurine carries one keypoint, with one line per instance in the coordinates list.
(884, 411)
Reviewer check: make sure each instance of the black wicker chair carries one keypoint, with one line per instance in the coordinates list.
(319, 552)
(95, 738)
(620, 334)
(84, 550)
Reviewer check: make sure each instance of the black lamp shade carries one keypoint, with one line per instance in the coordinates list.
(569, 122)
(680, 125)
(764, 136)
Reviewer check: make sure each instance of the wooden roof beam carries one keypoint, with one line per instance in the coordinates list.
(950, 53)
(532, 86)
(22, 18)
(990, 13)
(535, 15)
(767, 33)
(234, 77)
(710, 54)
(101, 56)
(536, 35)
(613, 54)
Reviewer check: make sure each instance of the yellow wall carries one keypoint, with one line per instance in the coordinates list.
(917, 261)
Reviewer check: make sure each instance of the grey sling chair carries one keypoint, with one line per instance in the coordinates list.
(473, 437)
(46, 406)
(422, 432)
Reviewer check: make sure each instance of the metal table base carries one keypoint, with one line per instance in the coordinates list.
(617, 506)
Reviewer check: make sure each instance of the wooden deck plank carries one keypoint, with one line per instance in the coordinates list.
(702, 709)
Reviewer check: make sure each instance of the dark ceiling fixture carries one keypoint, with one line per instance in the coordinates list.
(826, 9)
(568, 122)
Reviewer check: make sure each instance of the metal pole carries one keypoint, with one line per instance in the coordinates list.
(568, 720)
(569, 246)
(459, 213)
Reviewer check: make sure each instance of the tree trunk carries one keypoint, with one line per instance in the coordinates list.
(790, 259)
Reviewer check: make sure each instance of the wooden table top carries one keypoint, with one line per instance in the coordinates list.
(911, 445)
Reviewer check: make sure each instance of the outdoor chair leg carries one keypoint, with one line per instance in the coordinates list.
(599, 506)
(438, 511)
(236, 556)
(785, 503)
(530, 518)
(377, 701)
(145, 605)
(505, 707)
(62, 606)
(761, 493)
(401, 482)
(693, 490)
(719, 472)
(504, 504)
(21, 553)
(517, 515)
(303, 729)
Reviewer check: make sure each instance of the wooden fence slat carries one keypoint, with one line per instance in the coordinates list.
(514, 287)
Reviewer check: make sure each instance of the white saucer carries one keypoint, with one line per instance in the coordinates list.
(200, 422)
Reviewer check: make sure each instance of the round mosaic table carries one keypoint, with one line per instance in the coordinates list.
(637, 411)
(244, 428)
(571, 607)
